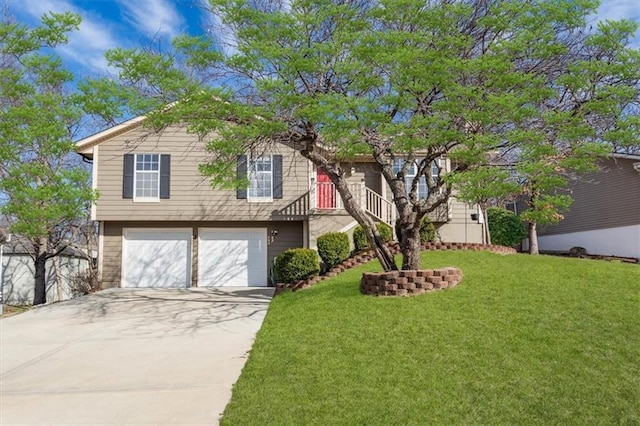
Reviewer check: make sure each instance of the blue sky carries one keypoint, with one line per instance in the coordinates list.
(131, 23)
(107, 24)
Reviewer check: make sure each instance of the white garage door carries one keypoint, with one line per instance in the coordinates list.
(156, 258)
(232, 257)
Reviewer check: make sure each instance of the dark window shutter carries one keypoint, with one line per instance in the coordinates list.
(241, 194)
(165, 176)
(277, 176)
(127, 176)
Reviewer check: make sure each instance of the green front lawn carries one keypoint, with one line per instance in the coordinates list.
(522, 340)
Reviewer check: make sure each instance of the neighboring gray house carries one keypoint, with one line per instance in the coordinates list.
(18, 274)
(162, 225)
(605, 215)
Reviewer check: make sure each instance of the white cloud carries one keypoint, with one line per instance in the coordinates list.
(619, 9)
(224, 35)
(153, 18)
(87, 46)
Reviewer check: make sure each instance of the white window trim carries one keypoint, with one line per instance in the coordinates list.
(137, 199)
(411, 174)
(253, 199)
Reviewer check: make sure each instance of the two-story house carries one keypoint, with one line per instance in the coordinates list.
(163, 225)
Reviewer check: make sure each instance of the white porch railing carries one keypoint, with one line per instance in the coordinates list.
(325, 197)
(379, 207)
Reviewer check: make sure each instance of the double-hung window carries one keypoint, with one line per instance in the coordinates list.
(147, 177)
(422, 190)
(264, 174)
(260, 174)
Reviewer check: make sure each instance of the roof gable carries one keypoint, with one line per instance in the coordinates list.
(85, 146)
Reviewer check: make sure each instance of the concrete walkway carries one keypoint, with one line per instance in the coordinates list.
(128, 356)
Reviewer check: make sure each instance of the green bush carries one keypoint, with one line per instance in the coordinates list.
(505, 227)
(333, 248)
(297, 264)
(427, 231)
(385, 231)
(360, 241)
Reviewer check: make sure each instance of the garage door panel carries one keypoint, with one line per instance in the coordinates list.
(157, 258)
(232, 257)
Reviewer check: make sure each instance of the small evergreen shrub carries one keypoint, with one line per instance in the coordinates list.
(385, 231)
(360, 241)
(505, 227)
(333, 248)
(297, 264)
(427, 231)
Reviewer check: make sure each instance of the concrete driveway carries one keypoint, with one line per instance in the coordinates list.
(128, 356)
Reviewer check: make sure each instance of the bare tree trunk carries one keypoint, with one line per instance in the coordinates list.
(56, 268)
(357, 212)
(40, 263)
(485, 224)
(408, 231)
(533, 238)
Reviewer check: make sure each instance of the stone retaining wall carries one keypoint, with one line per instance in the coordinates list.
(469, 246)
(408, 283)
(369, 255)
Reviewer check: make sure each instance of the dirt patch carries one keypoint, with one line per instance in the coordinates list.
(592, 256)
(14, 310)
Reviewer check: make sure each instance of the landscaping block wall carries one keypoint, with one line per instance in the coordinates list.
(407, 283)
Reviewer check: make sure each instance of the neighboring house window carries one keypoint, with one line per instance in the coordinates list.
(264, 174)
(146, 177)
(422, 190)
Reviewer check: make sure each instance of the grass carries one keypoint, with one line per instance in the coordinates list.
(14, 310)
(522, 340)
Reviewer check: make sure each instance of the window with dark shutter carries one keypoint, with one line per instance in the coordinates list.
(265, 177)
(127, 176)
(277, 176)
(146, 177)
(241, 174)
(165, 176)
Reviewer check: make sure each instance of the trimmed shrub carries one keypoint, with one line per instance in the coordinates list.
(333, 248)
(385, 231)
(505, 227)
(296, 264)
(428, 232)
(360, 241)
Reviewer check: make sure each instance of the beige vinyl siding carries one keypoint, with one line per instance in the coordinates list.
(192, 197)
(280, 237)
(334, 221)
(459, 228)
(609, 198)
(112, 255)
(367, 172)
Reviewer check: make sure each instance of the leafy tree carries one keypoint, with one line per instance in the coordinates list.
(587, 113)
(407, 82)
(43, 193)
(484, 184)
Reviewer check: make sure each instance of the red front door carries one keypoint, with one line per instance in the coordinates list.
(325, 190)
